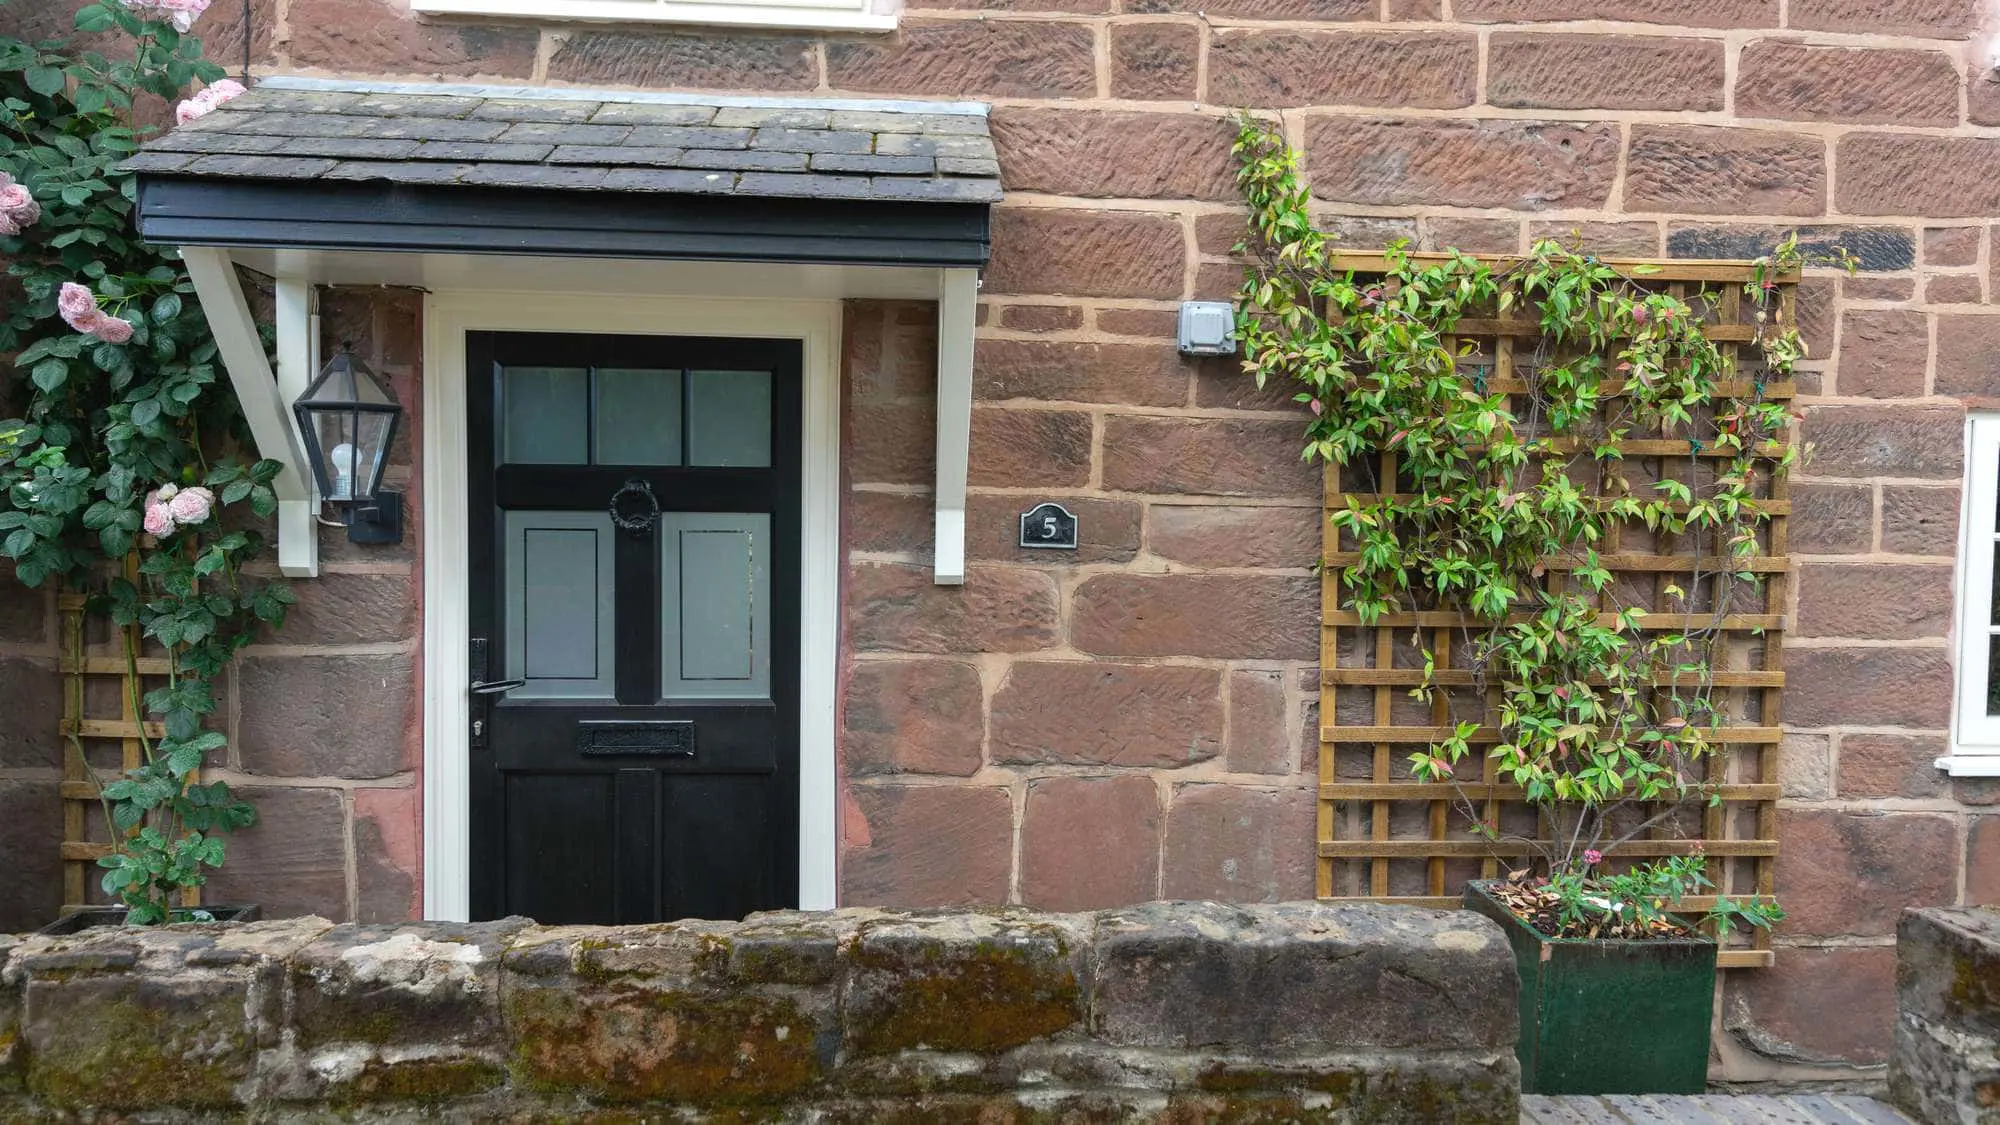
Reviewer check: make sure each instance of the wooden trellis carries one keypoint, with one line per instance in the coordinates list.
(101, 730)
(1386, 836)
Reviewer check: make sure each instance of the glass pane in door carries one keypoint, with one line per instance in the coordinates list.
(559, 604)
(638, 416)
(546, 415)
(729, 418)
(715, 606)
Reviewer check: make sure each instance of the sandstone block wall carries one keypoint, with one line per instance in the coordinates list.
(1170, 1012)
(1159, 680)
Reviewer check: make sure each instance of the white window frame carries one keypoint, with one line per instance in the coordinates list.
(811, 15)
(1975, 735)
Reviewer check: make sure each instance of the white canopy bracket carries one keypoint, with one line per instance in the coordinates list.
(958, 298)
(264, 402)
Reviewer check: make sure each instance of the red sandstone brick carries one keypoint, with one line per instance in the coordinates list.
(1229, 843)
(1692, 13)
(1364, 232)
(1115, 154)
(1413, 10)
(1076, 253)
(1107, 530)
(1895, 441)
(887, 353)
(1953, 289)
(25, 614)
(1221, 382)
(1090, 842)
(1797, 82)
(370, 36)
(1878, 288)
(1102, 713)
(1982, 861)
(1155, 61)
(896, 608)
(1941, 19)
(1891, 765)
(1048, 371)
(293, 861)
(1472, 235)
(969, 58)
(900, 522)
(1205, 536)
(1537, 70)
(1832, 519)
(1224, 616)
(1025, 448)
(672, 59)
(892, 443)
(31, 687)
(1843, 874)
(1208, 456)
(1217, 233)
(1868, 687)
(31, 823)
(1883, 353)
(389, 854)
(1041, 318)
(1823, 1004)
(1915, 520)
(1717, 171)
(338, 608)
(1618, 240)
(1218, 281)
(327, 715)
(1157, 324)
(1968, 359)
(1318, 11)
(1260, 724)
(1401, 70)
(1982, 93)
(1079, 7)
(1952, 246)
(1525, 165)
(1907, 174)
(1816, 303)
(921, 846)
(912, 716)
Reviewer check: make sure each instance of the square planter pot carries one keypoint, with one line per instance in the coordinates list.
(1608, 1017)
(91, 916)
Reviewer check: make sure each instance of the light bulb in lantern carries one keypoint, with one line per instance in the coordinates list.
(343, 457)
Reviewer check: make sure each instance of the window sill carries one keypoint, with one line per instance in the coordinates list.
(1983, 761)
(671, 11)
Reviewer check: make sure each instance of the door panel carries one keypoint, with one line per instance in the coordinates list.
(647, 768)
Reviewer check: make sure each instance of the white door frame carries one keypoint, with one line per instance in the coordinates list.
(448, 316)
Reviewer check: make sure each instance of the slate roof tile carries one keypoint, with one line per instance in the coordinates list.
(530, 137)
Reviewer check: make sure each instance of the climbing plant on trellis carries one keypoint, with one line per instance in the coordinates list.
(1386, 835)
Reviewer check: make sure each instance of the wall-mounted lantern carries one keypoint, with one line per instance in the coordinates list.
(348, 419)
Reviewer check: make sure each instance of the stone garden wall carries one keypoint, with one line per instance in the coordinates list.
(1946, 1065)
(1147, 702)
(1172, 1012)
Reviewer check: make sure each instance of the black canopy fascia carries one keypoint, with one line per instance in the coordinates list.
(384, 216)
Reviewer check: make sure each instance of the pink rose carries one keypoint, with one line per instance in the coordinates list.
(18, 207)
(190, 109)
(192, 505)
(112, 329)
(159, 519)
(74, 300)
(8, 227)
(222, 89)
(1593, 857)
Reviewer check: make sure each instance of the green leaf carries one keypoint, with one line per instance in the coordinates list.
(166, 308)
(145, 412)
(49, 375)
(45, 80)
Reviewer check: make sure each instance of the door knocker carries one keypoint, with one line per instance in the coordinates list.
(634, 508)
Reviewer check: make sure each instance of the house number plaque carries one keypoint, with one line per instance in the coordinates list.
(1048, 526)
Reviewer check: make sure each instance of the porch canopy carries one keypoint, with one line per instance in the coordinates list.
(315, 181)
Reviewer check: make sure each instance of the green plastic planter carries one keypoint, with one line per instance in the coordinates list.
(1608, 1017)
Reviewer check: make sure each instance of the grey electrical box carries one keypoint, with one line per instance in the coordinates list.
(1208, 328)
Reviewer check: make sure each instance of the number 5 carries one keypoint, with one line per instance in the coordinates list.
(1048, 527)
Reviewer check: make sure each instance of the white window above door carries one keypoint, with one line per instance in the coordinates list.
(1975, 727)
(813, 15)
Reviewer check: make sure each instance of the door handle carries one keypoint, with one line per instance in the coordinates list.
(494, 687)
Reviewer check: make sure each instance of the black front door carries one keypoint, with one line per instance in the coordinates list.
(634, 613)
